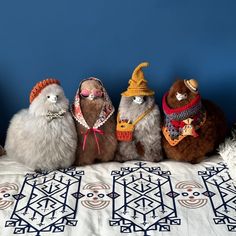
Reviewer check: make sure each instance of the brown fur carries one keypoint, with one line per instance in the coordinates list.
(140, 148)
(211, 134)
(180, 87)
(107, 141)
(2, 151)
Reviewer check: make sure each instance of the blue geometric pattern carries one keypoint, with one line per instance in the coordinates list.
(143, 200)
(222, 194)
(47, 202)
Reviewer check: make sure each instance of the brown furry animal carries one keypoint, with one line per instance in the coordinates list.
(192, 127)
(95, 123)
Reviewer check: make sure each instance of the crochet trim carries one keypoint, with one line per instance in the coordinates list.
(40, 86)
(169, 110)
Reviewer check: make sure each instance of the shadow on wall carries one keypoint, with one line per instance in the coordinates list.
(4, 114)
(222, 92)
(11, 101)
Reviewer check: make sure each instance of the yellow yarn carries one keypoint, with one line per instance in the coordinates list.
(137, 84)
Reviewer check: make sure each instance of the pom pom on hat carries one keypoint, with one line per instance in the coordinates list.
(40, 86)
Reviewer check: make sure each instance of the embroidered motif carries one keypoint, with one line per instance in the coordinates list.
(190, 195)
(47, 202)
(222, 194)
(143, 200)
(6, 194)
(95, 194)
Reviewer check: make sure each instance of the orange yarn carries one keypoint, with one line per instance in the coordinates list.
(40, 86)
(124, 129)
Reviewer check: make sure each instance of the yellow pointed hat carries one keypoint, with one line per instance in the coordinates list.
(137, 84)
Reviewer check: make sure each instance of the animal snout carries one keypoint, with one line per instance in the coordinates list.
(181, 96)
(91, 96)
(53, 98)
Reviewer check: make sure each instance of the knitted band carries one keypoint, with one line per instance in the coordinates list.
(175, 118)
(40, 86)
(168, 110)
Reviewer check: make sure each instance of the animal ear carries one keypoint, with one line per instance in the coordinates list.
(172, 91)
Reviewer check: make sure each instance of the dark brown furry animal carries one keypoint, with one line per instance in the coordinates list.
(206, 131)
(95, 124)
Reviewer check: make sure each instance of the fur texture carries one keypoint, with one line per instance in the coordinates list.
(146, 144)
(2, 151)
(107, 142)
(39, 143)
(228, 152)
(211, 134)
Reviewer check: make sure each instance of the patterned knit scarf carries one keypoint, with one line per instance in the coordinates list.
(183, 121)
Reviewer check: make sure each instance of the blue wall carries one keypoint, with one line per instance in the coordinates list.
(74, 39)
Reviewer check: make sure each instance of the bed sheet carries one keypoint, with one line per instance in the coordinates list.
(133, 198)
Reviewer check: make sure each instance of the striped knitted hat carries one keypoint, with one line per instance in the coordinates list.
(40, 86)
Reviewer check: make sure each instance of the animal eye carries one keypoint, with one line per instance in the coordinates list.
(185, 95)
(48, 96)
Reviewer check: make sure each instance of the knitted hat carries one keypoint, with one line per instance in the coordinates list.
(40, 86)
(137, 84)
(192, 85)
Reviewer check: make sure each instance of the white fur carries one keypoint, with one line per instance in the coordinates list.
(138, 99)
(228, 153)
(147, 131)
(180, 96)
(39, 143)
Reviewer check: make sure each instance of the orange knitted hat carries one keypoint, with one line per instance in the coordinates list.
(40, 86)
(137, 83)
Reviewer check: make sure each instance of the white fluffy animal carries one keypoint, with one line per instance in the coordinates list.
(228, 152)
(43, 137)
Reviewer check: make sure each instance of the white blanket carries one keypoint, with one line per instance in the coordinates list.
(111, 199)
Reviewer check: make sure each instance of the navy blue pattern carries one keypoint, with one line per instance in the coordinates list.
(222, 194)
(143, 200)
(47, 202)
